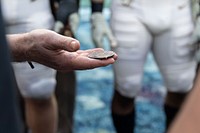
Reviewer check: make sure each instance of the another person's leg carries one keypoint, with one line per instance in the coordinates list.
(133, 43)
(123, 113)
(41, 115)
(187, 120)
(37, 87)
(22, 109)
(173, 103)
(128, 78)
(65, 95)
(175, 59)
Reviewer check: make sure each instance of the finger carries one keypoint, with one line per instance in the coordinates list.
(66, 43)
(86, 52)
(54, 41)
(79, 60)
(111, 38)
(98, 41)
(94, 63)
(101, 63)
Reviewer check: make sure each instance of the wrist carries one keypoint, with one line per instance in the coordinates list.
(19, 46)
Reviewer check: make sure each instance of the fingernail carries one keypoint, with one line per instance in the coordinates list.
(74, 45)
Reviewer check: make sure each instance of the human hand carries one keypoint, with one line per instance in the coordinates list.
(54, 50)
(101, 29)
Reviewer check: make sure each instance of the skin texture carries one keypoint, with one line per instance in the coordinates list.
(48, 115)
(53, 50)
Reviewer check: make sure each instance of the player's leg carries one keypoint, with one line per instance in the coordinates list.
(41, 115)
(175, 59)
(65, 95)
(37, 87)
(133, 43)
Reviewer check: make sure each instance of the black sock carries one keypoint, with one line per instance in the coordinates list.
(124, 123)
(170, 113)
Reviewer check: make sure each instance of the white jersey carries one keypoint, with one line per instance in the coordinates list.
(26, 15)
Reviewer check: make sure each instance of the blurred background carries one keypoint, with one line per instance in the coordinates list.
(95, 88)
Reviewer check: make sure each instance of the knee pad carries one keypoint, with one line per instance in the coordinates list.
(38, 83)
(129, 86)
(42, 89)
(181, 78)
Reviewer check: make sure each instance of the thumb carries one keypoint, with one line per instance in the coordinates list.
(66, 43)
(53, 40)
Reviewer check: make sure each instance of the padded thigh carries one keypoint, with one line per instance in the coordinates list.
(179, 78)
(128, 77)
(131, 49)
(173, 51)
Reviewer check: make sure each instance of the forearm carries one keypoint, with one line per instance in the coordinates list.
(19, 46)
(188, 119)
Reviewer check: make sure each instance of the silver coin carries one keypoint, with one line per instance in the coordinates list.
(101, 54)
